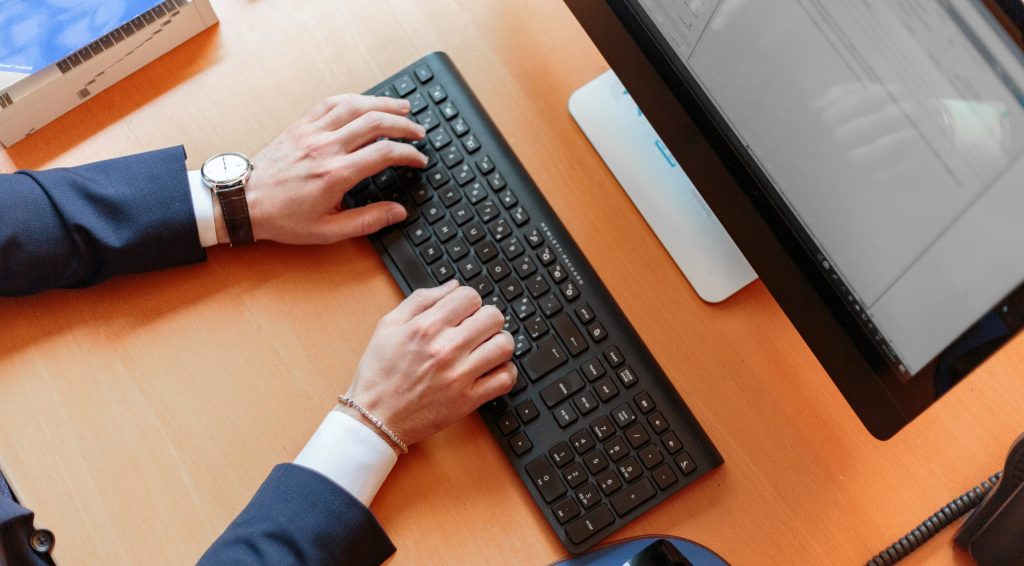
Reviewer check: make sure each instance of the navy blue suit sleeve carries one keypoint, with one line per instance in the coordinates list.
(79, 226)
(15, 532)
(298, 516)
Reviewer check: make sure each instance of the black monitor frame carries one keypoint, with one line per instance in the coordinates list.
(775, 244)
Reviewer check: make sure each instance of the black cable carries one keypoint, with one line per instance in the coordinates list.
(932, 525)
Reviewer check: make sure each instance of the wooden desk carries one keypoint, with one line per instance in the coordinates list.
(137, 435)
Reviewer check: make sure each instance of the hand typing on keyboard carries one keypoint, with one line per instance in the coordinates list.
(300, 177)
(433, 360)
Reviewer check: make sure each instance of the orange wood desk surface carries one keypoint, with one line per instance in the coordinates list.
(138, 417)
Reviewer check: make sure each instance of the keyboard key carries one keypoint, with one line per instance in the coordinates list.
(534, 238)
(448, 110)
(644, 403)
(664, 476)
(507, 423)
(624, 415)
(570, 335)
(527, 411)
(657, 422)
(603, 428)
(445, 230)
(431, 252)
(606, 389)
(560, 389)
(525, 267)
(545, 478)
(403, 254)
(587, 496)
(418, 233)
(549, 355)
(671, 443)
(522, 345)
(524, 308)
(437, 94)
(569, 291)
(497, 181)
(537, 286)
(608, 481)
(485, 165)
(630, 469)
(433, 212)
(512, 249)
(460, 127)
(637, 436)
(589, 524)
(421, 194)
(584, 313)
(463, 174)
(519, 216)
(595, 461)
(385, 179)
(439, 139)
(442, 271)
(546, 257)
(498, 269)
(417, 103)
(462, 213)
(510, 289)
(536, 327)
(438, 178)
(451, 156)
(565, 510)
(487, 211)
(474, 233)
(508, 200)
(557, 272)
(685, 463)
(428, 120)
(632, 497)
(585, 402)
(616, 449)
(582, 441)
(550, 305)
(574, 474)
(520, 443)
(485, 251)
(597, 332)
(565, 415)
(471, 143)
(469, 269)
(627, 377)
(593, 368)
(500, 229)
(561, 454)
(650, 456)
(424, 74)
(404, 85)
(614, 356)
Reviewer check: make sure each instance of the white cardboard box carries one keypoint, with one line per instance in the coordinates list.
(54, 57)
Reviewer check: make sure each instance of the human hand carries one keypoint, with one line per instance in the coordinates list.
(434, 359)
(299, 179)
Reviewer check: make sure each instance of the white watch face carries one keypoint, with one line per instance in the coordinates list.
(225, 168)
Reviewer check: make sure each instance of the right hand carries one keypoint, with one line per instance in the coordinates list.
(433, 360)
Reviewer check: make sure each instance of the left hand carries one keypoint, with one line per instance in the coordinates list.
(300, 177)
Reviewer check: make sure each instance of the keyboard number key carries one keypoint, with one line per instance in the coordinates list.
(589, 524)
(545, 478)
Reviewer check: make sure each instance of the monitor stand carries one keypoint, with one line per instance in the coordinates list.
(660, 189)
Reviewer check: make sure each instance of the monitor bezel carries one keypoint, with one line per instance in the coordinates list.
(747, 204)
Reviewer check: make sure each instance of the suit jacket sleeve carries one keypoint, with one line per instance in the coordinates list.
(80, 226)
(298, 516)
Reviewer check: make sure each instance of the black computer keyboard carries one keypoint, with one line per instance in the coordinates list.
(593, 427)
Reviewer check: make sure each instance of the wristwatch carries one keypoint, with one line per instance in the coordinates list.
(227, 175)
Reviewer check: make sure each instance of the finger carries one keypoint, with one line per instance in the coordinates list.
(347, 107)
(375, 125)
(377, 157)
(479, 327)
(360, 221)
(420, 300)
(495, 351)
(453, 309)
(498, 381)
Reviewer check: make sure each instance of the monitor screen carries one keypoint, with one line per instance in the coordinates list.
(889, 137)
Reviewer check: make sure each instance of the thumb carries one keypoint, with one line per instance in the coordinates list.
(362, 221)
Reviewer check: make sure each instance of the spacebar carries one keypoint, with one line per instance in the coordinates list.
(406, 260)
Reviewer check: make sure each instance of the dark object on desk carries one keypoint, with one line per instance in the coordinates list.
(647, 551)
(594, 427)
(994, 533)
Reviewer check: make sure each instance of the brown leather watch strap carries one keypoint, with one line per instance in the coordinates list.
(235, 209)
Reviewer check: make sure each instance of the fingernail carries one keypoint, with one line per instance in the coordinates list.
(451, 284)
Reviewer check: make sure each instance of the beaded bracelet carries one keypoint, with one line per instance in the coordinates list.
(376, 422)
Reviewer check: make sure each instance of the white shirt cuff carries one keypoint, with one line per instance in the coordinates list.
(349, 454)
(202, 204)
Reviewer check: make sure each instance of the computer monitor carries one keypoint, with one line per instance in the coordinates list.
(868, 159)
